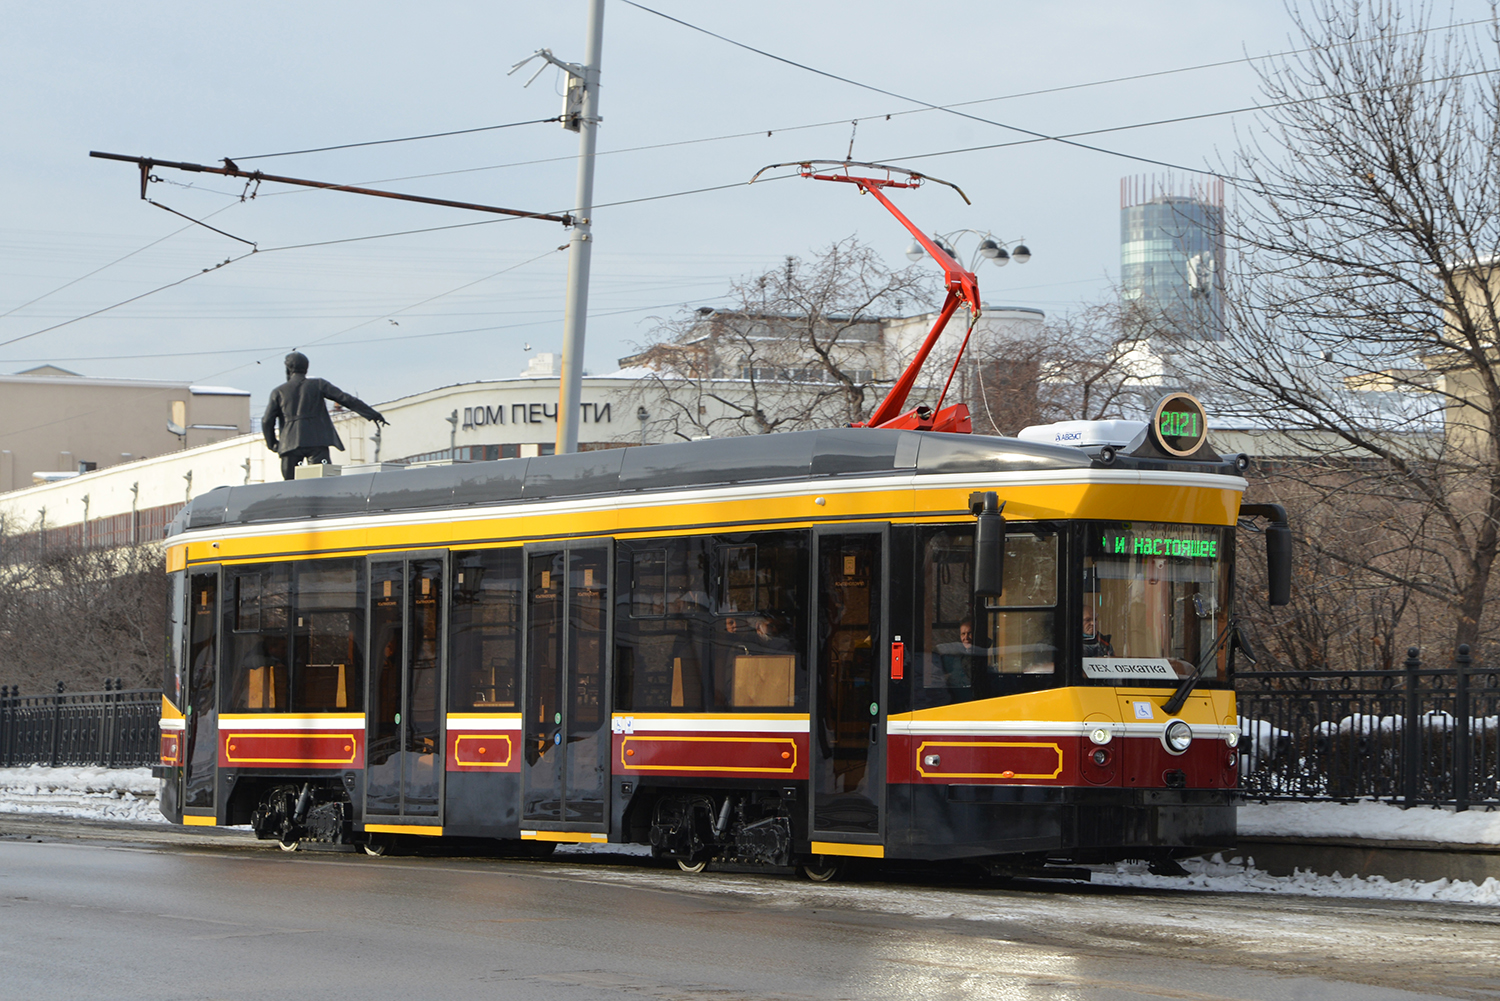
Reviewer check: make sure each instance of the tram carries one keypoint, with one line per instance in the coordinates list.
(773, 649)
(899, 641)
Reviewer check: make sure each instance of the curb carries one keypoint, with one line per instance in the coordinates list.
(1424, 861)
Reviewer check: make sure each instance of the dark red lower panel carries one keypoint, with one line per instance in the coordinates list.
(291, 748)
(475, 751)
(778, 755)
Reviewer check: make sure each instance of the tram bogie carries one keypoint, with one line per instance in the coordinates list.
(747, 827)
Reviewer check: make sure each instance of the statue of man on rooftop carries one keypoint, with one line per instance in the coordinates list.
(306, 429)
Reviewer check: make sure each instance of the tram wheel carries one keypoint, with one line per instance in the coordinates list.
(822, 868)
(289, 843)
(376, 848)
(692, 867)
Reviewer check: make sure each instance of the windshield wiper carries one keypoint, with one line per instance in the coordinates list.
(1174, 705)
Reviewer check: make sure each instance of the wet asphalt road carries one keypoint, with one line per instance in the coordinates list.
(91, 910)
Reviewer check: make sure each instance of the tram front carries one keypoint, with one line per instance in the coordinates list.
(1080, 707)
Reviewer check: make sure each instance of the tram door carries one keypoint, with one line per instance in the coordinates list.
(566, 732)
(848, 763)
(404, 742)
(200, 705)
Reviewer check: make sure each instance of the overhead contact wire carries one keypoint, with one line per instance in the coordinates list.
(403, 139)
(111, 264)
(125, 302)
(952, 109)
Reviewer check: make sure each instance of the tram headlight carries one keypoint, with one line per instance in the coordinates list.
(1101, 735)
(1232, 736)
(1178, 736)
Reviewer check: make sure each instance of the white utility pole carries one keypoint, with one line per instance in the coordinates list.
(570, 386)
(581, 115)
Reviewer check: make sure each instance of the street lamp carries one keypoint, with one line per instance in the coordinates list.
(988, 249)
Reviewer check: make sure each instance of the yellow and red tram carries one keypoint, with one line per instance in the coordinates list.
(784, 649)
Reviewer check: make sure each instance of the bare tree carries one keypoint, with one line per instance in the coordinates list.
(800, 346)
(1363, 306)
(80, 615)
(1083, 365)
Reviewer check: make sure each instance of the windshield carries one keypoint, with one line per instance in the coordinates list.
(1155, 600)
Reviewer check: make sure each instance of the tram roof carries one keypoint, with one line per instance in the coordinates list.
(794, 455)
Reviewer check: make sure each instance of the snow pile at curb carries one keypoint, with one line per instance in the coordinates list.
(1376, 821)
(87, 793)
(1239, 875)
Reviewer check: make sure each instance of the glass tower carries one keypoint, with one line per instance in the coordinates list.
(1171, 252)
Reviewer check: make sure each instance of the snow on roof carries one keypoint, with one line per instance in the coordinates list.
(217, 391)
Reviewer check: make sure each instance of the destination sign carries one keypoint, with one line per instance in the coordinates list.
(1131, 544)
(1178, 424)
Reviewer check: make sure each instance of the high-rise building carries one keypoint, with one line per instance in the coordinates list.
(1172, 252)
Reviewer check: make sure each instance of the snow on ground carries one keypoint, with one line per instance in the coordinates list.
(1375, 821)
(640, 851)
(88, 793)
(1239, 875)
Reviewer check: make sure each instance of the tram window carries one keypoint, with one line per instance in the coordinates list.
(1022, 622)
(484, 630)
(255, 658)
(758, 645)
(648, 584)
(744, 650)
(329, 636)
(662, 623)
(296, 637)
(1005, 645)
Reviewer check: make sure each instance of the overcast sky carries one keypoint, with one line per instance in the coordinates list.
(398, 315)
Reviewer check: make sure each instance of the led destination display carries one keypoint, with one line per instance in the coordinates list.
(1130, 544)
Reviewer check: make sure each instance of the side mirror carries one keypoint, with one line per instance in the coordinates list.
(1279, 562)
(1241, 642)
(989, 544)
(1278, 550)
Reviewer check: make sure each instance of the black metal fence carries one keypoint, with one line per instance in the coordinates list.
(1414, 735)
(119, 728)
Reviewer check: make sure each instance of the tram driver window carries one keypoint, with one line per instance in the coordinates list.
(967, 650)
(484, 630)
